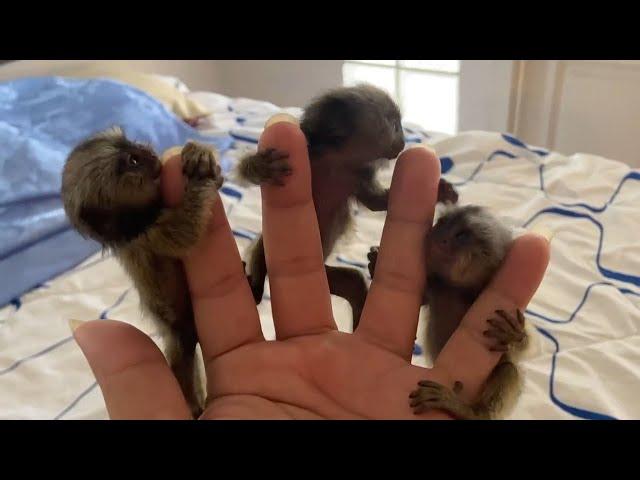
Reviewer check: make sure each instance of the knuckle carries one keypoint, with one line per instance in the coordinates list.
(296, 265)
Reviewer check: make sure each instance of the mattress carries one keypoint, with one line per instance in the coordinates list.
(586, 312)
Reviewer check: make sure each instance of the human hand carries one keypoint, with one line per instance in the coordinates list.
(312, 370)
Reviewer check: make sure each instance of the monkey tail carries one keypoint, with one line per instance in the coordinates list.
(257, 270)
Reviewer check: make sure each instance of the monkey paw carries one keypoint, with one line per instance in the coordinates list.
(199, 163)
(431, 395)
(446, 192)
(373, 259)
(505, 330)
(270, 166)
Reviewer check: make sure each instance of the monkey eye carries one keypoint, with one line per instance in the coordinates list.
(462, 235)
(132, 161)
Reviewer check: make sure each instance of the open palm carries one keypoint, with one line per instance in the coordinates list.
(312, 370)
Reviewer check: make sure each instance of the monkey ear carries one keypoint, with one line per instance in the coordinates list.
(327, 124)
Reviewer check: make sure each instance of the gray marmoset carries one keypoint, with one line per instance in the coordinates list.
(465, 249)
(111, 193)
(351, 132)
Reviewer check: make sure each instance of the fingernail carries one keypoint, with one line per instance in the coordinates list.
(281, 117)
(419, 145)
(171, 152)
(74, 324)
(544, 231)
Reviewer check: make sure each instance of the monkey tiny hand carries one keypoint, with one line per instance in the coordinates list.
(199, 163)
(268, 166)
(446, 192)
(432, 395)
(505, 331)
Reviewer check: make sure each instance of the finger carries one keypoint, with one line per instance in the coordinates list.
(225, 312)
(390, 314)
(172, 181)
(134, 377)
(300, 299)
(464, 357)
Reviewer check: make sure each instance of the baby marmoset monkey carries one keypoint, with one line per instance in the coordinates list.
(465, 249)
(111, 193)
(350, 132)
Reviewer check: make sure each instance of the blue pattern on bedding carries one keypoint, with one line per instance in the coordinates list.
(575, 411)
(612, 274)
(41, 120)
(585, 296)
(446, 164)
(479, 167)
(629, 176)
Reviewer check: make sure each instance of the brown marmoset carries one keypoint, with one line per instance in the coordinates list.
(465, 249)
(351, 132)
(111, 193)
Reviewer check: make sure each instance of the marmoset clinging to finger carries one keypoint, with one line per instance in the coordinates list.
(465, 249)
(111, 193)
(351, 132)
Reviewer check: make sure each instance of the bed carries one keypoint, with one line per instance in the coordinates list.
(586, 312)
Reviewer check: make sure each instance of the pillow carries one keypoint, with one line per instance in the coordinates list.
(157, 86)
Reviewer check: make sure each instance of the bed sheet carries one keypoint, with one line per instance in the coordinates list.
(586, 314)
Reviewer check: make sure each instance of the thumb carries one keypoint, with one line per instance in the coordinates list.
(134, 377)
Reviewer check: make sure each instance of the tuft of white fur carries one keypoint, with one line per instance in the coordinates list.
(111, 132)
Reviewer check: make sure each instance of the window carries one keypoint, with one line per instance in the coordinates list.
(425, 90)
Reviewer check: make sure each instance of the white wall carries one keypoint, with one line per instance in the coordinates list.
(588, 106)
(283, 82)
(486, 88)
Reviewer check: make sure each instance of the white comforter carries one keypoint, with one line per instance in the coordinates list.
(586, 312)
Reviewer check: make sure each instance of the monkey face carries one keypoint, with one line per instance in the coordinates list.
(111, 187)
(137, 169)
(380, 125)
(465, 247)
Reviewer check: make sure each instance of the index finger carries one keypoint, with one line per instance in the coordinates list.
(223, 306)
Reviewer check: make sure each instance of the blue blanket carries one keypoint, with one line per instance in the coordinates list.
(41, 120)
